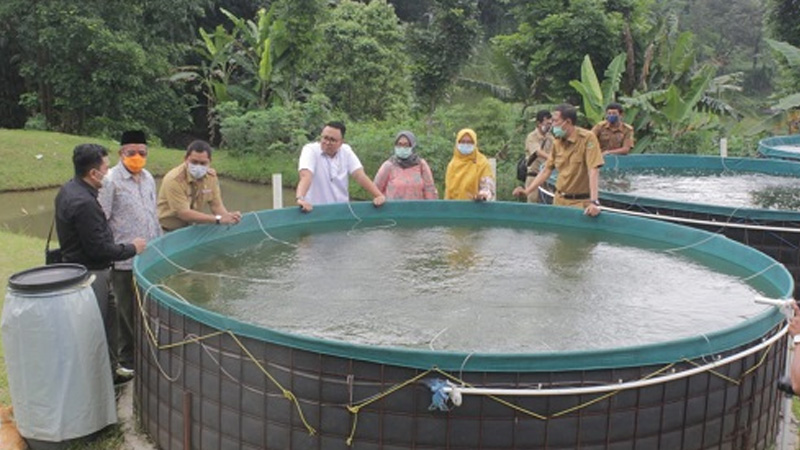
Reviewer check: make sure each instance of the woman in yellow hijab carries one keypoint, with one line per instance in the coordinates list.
(469, 175)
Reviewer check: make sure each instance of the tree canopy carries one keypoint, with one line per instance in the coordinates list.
(99, 66)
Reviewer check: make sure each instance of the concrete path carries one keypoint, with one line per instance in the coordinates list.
(134, 439)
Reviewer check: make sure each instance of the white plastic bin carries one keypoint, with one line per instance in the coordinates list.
(56, 354)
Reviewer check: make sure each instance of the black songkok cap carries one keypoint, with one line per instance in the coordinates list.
(133, 137)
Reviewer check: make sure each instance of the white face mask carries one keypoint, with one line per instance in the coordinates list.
(466, 149)
(197, 171)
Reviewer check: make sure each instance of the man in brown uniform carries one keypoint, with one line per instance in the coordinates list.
(187, 188)
(576, 155)
(538, 145)
(615, 136)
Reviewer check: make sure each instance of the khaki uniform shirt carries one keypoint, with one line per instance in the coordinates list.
(537, 141)
(573, 157)
(612, 137)
(180, 191)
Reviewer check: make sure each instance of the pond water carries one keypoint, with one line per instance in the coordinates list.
(31, 212)
(737, 190)
(473, 289)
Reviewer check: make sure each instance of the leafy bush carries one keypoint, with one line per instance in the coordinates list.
(365, 66)
(492, 120)
(691, 143)
(257, 169)
(264, 132)
(36, 122)
(277, 129)
(744, 146)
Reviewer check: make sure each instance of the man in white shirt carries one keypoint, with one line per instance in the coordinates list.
(324, 170)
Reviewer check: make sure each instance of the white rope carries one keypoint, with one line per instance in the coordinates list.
(695, 244)
(775, 264)
(392, 223)
(620, 386)
(211, 274)
(263, 230)
(430, 344)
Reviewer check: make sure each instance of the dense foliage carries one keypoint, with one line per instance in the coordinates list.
(88, 68)
(260, 77)
(363, 64)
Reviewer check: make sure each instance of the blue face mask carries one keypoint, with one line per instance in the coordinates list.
(559, 132)
(466, 149)
(402, 152)
(612, 118)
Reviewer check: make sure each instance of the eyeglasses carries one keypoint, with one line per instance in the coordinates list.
(329, 139)
(129, 153)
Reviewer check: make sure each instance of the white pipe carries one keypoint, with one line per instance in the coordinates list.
(462, 390)
(723, 147)
(277, 191)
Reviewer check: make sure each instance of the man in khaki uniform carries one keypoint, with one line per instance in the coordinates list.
(189, 187)
(576, 154)
(538, 145)
(615, 136)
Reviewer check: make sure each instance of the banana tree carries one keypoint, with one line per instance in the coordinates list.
(792, 56)
(260, 49)
(214, 74)
(596, 95)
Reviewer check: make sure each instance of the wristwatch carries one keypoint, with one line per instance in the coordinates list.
(219, 218)
(796, 339)
(595, 202)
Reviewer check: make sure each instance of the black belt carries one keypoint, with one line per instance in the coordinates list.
(533, 174)
(574, 196)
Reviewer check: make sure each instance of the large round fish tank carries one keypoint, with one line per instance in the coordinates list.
(775, 232)
(209, 381)
(781, 147)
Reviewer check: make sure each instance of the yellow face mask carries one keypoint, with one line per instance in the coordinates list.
(134, 163)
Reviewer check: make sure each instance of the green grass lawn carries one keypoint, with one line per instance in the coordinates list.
(42, 159)
(20, 253)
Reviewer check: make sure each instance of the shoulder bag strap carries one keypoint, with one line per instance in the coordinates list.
(50, 234)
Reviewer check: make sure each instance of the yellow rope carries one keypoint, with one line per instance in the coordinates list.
(714, 372)
(608, 395)
(760, 361)
(744, 374)
(196, 340)
(356, 408)
(286, 393)
(192, 340)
